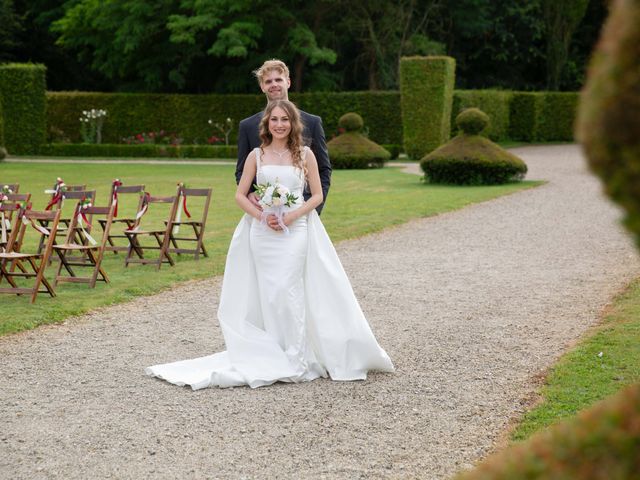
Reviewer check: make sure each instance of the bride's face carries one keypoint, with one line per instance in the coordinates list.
(279, 123)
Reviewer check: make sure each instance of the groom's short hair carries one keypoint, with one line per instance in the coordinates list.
(268, 66)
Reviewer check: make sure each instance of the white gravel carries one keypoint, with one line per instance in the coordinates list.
(471, 306)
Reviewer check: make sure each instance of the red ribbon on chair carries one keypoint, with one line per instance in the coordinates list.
(57, 193)
(82, 205)
(184, 199)
(114, 198)
(184, 206)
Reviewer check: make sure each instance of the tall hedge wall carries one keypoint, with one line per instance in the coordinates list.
(514, 115)
(542, 116)
(22, 93)
(557, 116)
(426, 86)
(188, 115)
(495, 103)
(1, 124)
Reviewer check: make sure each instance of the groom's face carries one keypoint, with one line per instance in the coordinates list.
(275, 85)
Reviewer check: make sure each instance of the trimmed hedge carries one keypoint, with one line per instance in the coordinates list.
(129, 114)
(426, 86)
(557, 116)
(379, 110)
(495, 103)
(601, 443)
(187, 115)
(22, 93)
(1, 124)
(136, 151)
(542, 116)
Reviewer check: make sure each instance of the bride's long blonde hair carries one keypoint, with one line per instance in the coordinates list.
(294, 142)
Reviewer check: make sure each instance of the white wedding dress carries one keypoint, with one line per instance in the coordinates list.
(287, 310)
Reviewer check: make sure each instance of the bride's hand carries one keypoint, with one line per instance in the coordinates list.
(272, 222)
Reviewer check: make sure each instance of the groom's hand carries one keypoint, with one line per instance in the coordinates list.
(255, 200)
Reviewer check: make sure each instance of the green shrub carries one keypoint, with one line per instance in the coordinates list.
(601, 443)
(495, 103)
(472, 121)
(608, 121)
(139, 151)
(354, 150)
(22, 93)
(471, 159)
(426, 85)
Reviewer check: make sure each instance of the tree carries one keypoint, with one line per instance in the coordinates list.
(561, 18)
(10, 28)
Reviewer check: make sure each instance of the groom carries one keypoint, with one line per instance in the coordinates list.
(273, 77)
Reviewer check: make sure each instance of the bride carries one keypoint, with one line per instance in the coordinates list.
(287, 310)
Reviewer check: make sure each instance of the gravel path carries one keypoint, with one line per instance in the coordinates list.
(470, 305)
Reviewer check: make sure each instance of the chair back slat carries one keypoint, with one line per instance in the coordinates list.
(128, 189)
(14, 187)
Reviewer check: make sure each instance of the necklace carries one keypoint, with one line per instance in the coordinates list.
(280, 154)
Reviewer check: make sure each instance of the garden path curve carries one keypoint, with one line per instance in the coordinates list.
(470, 305)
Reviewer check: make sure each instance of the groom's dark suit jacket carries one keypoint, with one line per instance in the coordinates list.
(313, 134)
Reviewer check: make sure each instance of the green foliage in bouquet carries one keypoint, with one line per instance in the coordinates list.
(601, 443)
(351, 149)
(471, 159)
(608, 122)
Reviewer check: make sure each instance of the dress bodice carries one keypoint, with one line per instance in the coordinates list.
(286, 175)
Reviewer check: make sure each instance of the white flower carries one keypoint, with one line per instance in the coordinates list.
(210, 122)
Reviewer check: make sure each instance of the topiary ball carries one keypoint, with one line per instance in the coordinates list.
(351, 122)
(472, 121)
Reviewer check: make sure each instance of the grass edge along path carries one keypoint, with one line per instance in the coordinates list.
(603, 363)
(360, 202)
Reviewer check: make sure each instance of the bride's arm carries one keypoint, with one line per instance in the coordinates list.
(248, 174)
(313, 177)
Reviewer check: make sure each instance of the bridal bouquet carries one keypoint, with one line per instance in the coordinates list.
(275, 197)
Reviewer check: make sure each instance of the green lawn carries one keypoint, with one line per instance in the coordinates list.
(603, 363)
(360, 202)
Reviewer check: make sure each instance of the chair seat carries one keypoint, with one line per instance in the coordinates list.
(74, 246)
(145, 232)
(12, 255)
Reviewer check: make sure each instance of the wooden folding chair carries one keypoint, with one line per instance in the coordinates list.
(161, 235)
(92, 251)
(65, 218)
(128, 222)
(9, 204)
(194, 227)
(31, 265)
